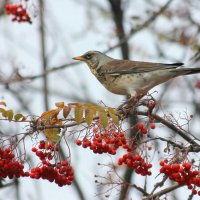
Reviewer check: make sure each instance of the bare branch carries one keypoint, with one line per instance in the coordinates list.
(171, 126)
(140, 27)
(43, 52)
(163, 192)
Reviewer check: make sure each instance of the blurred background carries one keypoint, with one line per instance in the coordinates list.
(41, 54)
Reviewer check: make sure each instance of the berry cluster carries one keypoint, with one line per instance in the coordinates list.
(105, 142)
(182, 174)
(137, 163)
(19, 13)
(45, 151)
(61, 173)
(9, 167)
(143, 129)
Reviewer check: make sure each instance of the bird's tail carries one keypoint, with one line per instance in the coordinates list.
(188, 71)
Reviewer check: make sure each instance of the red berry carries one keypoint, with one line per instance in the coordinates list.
(120, 161)
(151, 105)
(149, 165)
(140, 126)
(144, 131)
(78, 142)
(64, 163)
(153, 126)
(166, 161)
(69, 168)
(95, 129)
(11, 156)
(190, 187)
(7, 150)
(50, 146)
(149, 173)
(34, 149)
(187, 166)
(121, 134)
(194, 191)
(175, 167)
(113, 152)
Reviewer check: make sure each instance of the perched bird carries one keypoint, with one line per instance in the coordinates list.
(132, 78)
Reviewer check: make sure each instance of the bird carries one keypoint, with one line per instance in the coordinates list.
(131, 78)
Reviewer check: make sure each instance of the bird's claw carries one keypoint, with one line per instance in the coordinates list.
(128, 106)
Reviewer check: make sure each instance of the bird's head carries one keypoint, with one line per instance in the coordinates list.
(94, 59)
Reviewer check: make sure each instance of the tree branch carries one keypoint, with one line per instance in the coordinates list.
(162, 192)
(43, 53)
(171, 126)
(140, 27)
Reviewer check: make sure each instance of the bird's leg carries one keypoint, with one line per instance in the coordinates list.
(129, 105)
(133, 100)
(141, 93)
(126, 107)
(129, 101)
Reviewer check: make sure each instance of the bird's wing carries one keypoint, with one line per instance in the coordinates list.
(127, 67)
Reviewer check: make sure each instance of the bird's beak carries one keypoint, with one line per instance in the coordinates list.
(81, 58)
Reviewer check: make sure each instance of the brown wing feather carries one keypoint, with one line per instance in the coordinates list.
(127, 67)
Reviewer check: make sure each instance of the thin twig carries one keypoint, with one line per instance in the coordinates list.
(171, 126)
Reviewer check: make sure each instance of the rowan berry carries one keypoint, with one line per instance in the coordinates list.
(18, 11)
(153, 126)
(34, 149)
(78, 142)
(144, 131)
(194, 191)
(64, 163)
(140, 126)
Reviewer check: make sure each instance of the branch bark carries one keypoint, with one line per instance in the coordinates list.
(43, 52)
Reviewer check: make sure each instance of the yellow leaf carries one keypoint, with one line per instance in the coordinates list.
(114, 115)
(52, 134)
(78, 113)
(60, 104)
(3, 112)
(89, 105)
(9, 115)
(3, 103)
(19, 117)
(89, 115)
(66, 111)
(103, 116)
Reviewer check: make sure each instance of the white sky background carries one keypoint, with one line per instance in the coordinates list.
(74, 27)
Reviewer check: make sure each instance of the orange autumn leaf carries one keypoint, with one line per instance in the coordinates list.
(66, 111)
(60, 104)
(3, 103)
(50, 114)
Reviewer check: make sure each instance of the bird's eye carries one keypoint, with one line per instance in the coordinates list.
(88, 56)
